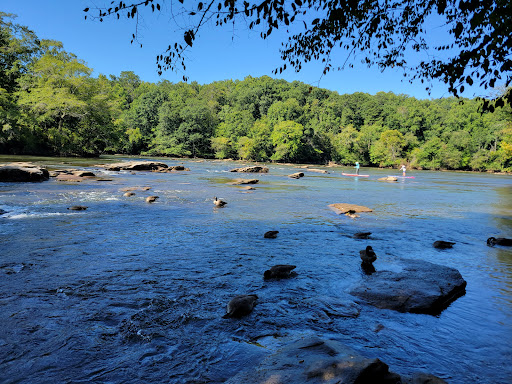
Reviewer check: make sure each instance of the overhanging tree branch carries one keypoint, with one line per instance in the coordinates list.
(382, 30)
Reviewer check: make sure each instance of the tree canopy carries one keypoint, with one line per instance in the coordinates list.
(383, 32)
(50, 104)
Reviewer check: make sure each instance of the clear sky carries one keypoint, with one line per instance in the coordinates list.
(218, 54)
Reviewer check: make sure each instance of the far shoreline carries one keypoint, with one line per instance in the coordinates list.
(84, 162)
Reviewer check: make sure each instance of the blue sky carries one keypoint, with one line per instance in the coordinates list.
(218, 54)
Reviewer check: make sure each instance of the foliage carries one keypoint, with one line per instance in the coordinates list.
(50, 104)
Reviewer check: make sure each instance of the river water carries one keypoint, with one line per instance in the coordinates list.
(132, 292)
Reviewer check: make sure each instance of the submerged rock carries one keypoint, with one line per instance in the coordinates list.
(421, 287)
(254, 169)
(321, 361)
(23, 172)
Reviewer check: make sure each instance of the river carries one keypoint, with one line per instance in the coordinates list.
(132, 292)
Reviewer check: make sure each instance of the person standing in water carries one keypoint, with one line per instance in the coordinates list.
(403, 169)
(357, 168)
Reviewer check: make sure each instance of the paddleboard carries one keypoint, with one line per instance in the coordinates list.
(403, 177)
(353, 174)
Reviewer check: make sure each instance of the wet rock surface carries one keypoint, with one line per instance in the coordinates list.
(296, 175)
(421, 287)
(323, 361)
(23, 172)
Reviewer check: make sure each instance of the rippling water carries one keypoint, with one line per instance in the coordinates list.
(133, 292)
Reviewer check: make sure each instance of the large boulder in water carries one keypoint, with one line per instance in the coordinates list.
(254, 169)
(15, 172)
(420, 287)
(321, 361)
(136, 166)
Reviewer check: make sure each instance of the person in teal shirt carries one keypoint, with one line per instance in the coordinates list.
(357, 168)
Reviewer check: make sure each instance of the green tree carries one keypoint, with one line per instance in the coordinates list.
(287, 139)
(54, 93)
(388, 149)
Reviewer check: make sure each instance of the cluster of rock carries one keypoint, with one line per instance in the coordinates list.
(17, 172)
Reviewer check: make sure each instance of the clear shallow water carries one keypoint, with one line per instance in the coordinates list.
(131, 292)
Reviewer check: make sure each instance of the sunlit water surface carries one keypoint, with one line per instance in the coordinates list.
(133, 292)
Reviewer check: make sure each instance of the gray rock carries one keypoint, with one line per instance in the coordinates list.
(136, 166)
(16, 172)
(254, 169)
(319, 361)
(244, 181)
(421, 287)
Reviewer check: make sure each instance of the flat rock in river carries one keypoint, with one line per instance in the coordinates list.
(135, 166)
(342, 208)
(254, 169)
(244, 181)
(420, 287)
(15, 172)
(323, 361)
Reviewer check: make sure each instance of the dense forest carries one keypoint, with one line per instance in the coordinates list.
(50, 104)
